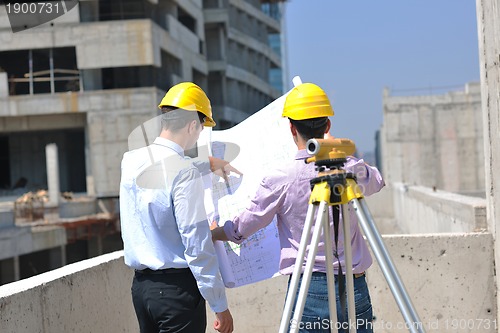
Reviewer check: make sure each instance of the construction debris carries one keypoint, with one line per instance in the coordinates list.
(30, 206)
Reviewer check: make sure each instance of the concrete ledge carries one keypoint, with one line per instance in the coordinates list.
(49, 107)
(449, 278)
(17, 241)
(88, 296)
(420, 209)
(447, 287)
(77, 208)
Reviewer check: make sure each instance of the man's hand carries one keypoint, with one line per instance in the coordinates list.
(224, 322)
(221, 168)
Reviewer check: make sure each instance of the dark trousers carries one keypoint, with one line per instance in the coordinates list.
(168, 302)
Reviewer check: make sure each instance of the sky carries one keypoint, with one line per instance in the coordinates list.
(353, 49)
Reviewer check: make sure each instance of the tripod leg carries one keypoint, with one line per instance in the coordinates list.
(330, 276)
(306, 277)
(351, 306)
(391, 275)
(294, 281)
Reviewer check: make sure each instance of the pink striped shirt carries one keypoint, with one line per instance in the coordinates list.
(285, 193)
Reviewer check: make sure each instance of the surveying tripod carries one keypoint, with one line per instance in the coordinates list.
(334, 186)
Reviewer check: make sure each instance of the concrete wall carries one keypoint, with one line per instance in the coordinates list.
(450, 280)
(419, 209)
(435, 140)
(488, 21)
(108, 130)
(403, 209)
(447, 287)
(114, 44)
(4, 84)
(89, 296)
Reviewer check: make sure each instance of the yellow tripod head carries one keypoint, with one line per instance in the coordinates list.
(333, 184)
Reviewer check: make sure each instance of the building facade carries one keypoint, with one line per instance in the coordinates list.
(87, 79)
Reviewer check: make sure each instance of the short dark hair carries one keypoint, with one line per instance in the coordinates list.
(311, 128)
(174, 119)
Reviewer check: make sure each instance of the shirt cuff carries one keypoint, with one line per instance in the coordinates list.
(232, 234)
(220, 306)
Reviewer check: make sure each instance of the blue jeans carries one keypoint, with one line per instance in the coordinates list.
(316, 316)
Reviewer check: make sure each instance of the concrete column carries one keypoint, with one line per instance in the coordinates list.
(99, 244)
(4, 84)
(17, 269)
(52, 173)
(488, 21)
(63, 255)
(88, 165)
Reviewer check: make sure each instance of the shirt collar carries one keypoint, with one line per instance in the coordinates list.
(302, 154)
(169, 144)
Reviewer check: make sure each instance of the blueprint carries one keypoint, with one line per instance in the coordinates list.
(263, 141)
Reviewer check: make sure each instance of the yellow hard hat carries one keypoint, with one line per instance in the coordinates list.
(188, 96)
(307, 101)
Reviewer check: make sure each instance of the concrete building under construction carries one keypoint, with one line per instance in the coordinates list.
(447, 253)
(435, 140)
(84, 81)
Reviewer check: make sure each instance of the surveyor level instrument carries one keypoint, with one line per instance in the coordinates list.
(335, 187)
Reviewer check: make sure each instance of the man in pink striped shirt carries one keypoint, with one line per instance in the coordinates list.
(285, 192)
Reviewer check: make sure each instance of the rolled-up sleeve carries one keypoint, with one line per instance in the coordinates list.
(195, 233)
(258, 214)
(368, 177)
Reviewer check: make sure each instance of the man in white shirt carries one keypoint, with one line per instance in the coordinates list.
(165, 232)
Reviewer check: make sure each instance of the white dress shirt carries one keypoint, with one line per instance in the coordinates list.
(163, 219)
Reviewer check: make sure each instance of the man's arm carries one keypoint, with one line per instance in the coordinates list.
(368, 177)
(258, 214)
(218, 234)
(187, 196)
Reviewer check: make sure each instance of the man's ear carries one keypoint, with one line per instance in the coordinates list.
(328, 125)
(293, 129)
(192, 126)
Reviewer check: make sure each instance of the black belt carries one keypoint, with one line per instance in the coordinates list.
(356, 275)
(148, 271)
